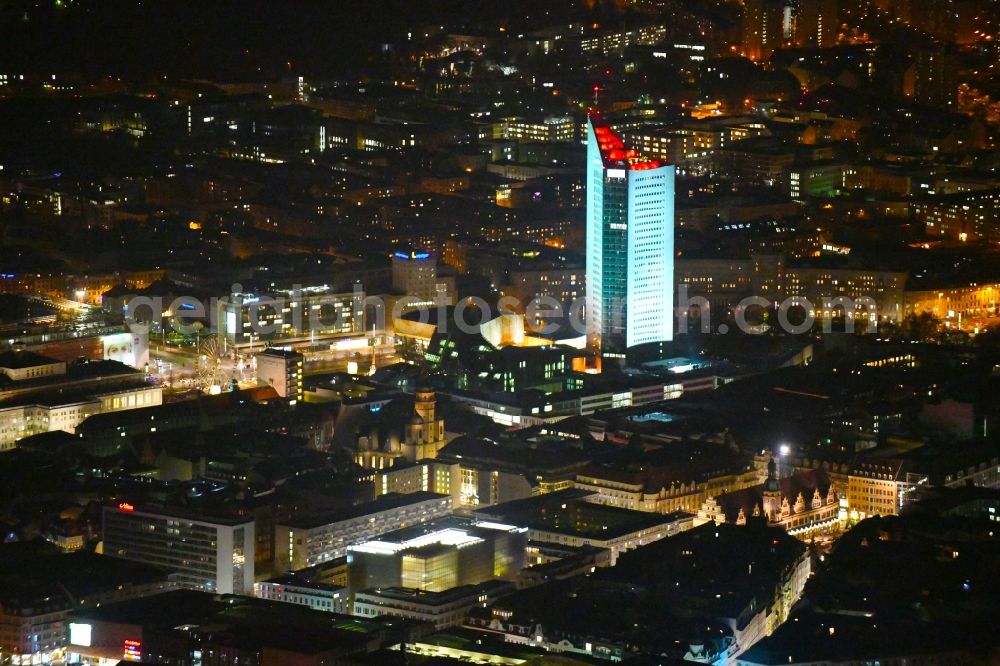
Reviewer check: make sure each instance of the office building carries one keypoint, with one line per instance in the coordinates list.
(438, 556)
(442, 609)
(189, 627)
(607, 43)
(817, 179)
(292, 589)
(721, 282)
(814, 284)
(876, 293)
(39, 586)
(310, 539)
(433, 475)
(415, 274)
(703, 596)
(963, 216)
(212, 553)
(283, 370)
(67, 343)
(21, 366)
(539, 288)
(572, 518)
(767, 24)
(50, 412)
(817, 24)
(965, 306)
(246, 319)
(763, 160)
(630, 245)
(39, 394)
(550, 129)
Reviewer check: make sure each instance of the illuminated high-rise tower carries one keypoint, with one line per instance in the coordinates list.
(767, 24)
(630, 246)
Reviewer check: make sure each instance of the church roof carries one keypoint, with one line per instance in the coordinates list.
(804, 482)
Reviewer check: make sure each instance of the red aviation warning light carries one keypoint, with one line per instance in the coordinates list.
(613, 150)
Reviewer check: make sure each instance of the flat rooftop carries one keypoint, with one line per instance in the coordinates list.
(569, 512)
(434, 536)
(19, 360)
(221, 517)
(384, 503)
(274, 352)
(36, 574)
(245, 622)
(442, 598)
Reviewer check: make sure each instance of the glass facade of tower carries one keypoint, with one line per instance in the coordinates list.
(630, 246)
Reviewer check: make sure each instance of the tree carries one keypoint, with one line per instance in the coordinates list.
(921, 327)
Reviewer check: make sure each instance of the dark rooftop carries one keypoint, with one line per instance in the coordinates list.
(245, 621)
(19, 360)
(36, 574)
(384, 503)
(569, 512)
(279, 353)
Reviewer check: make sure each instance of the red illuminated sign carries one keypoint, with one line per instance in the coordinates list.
(125, 506)
(132, 650)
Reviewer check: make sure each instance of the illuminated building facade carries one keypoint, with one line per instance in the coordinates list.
(572, 518)
(766, 25)
(28, 417)
(642, 491)
(617, 42)
(817, 284)
(434, 476)
(962, 306)
(282, 370)
(876, 293)
(43, 394)
(81, 288)
(442, 609)
(630, 245)
(963, 216)
(817, 24)
(802, 504)
(415, 274)
(308, 540)
(884, 486)
(316, 595)
(388, 437)
(189, 627)
(553, 128)
(210, 553)
(874, 489)
(438, 556)
(43, 586)
(245, 319)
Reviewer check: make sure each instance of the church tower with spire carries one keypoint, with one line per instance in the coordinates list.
(425, 431)
(772, 493)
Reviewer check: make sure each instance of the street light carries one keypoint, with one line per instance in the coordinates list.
(783, 451)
